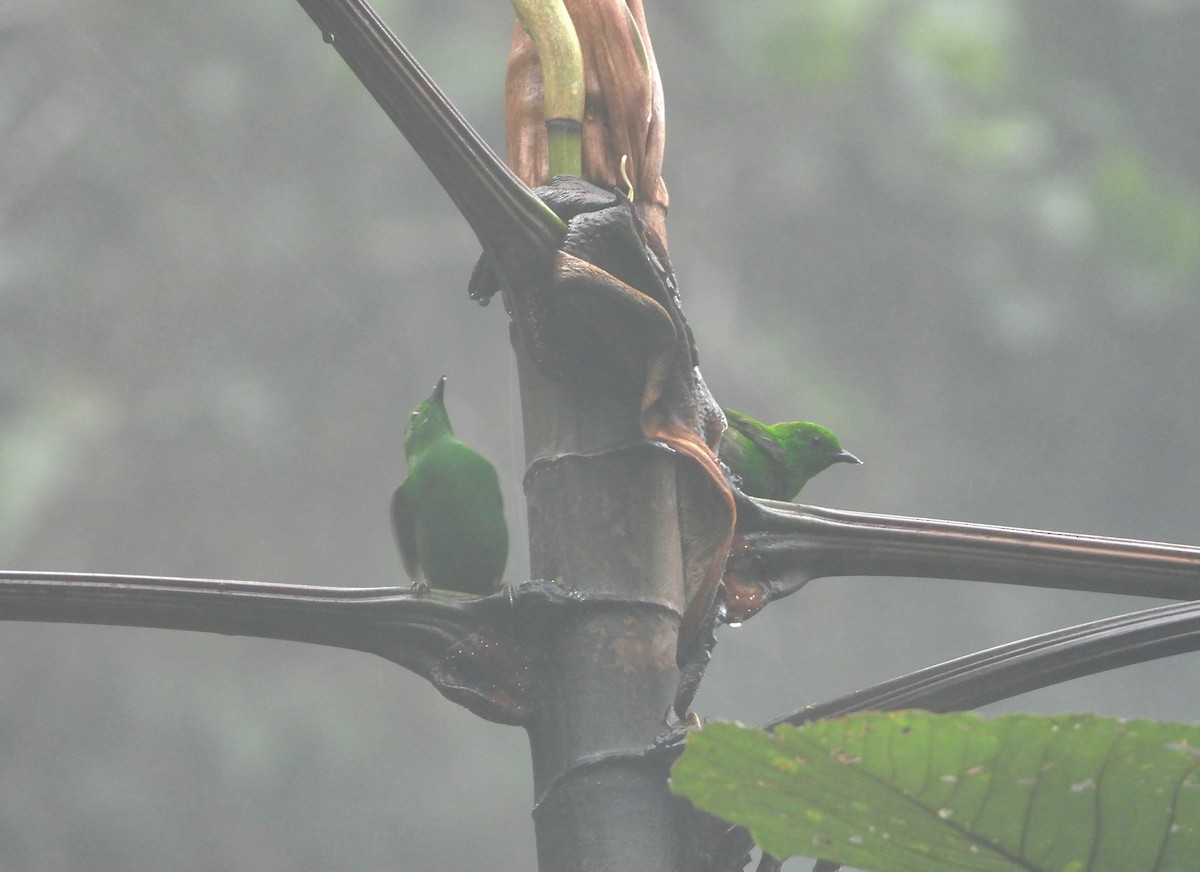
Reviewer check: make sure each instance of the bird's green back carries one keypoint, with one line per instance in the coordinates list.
(448, 515)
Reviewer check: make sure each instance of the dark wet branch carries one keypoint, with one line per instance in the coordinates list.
(512, 224)
(1025, 665)
(1001, 673)
(465, 647)
(784, 545)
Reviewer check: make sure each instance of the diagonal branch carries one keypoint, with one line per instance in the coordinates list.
(436, 634)
(513, 226)
(1026, 665)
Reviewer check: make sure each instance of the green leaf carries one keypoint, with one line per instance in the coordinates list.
(915, 791)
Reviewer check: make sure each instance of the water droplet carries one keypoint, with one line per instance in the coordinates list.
(328, 37)
(733, 625)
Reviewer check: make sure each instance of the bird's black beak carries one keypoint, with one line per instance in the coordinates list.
(843, 457)
(440, 390)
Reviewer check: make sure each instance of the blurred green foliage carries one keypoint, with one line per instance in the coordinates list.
(1145, 218)
(964, 235)
(814, 46)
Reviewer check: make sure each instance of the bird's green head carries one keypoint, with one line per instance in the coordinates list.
(810, 448)
(428, 421)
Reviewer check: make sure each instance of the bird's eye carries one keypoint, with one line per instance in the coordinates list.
(816, 441)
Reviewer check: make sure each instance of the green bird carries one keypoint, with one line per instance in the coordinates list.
(775, 461)
(448, 515)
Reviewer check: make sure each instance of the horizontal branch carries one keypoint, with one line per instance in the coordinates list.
(807, 542)
(435, 634)
(299, 613)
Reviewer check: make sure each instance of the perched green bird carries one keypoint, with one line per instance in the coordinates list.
(448, 515)
(774, 461)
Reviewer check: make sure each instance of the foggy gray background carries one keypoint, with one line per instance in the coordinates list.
(964, 235)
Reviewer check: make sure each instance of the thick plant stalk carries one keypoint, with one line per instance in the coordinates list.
(605, 514)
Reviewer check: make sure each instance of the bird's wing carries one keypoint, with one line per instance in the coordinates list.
(753, 431)
(405, 527)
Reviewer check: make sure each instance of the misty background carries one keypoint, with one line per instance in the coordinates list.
(964, 234)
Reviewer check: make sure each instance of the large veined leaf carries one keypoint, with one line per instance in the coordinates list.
(915, 791)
